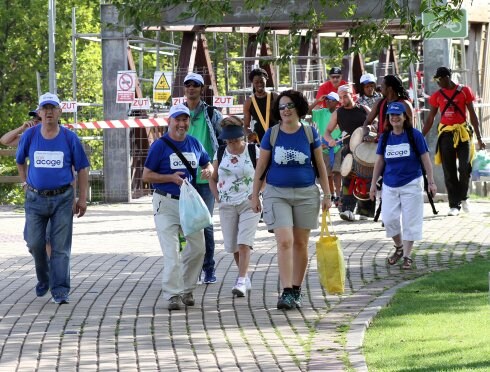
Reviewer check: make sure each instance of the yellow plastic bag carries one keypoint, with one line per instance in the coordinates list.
(330, 259)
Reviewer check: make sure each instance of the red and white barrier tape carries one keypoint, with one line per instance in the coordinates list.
(117, 124)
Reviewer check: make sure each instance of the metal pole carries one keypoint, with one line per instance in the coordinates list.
(51, 44)
(74, 56)
(38, 83)
(158, 52)
(225, 52)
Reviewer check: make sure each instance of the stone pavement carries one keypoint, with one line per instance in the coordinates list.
(117, 319)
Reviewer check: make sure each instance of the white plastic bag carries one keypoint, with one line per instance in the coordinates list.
(194, 214)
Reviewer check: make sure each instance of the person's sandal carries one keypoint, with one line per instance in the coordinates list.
(395, 257)
(407, 263)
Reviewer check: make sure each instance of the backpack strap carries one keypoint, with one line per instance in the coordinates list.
(411, 141)
(192, 171)
(220, 153)
(274, 134)
(210, 110)
(309, 134)
(252, 153)
(450, 101)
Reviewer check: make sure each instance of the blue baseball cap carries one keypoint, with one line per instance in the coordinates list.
(396, 108)
(179, 109)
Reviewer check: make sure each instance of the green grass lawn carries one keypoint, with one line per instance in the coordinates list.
(439, 323)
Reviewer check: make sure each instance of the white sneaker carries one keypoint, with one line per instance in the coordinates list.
(240, 288)
(465, 206)
(362, 217)
(453, 212)
(347, 216)
(248, 283)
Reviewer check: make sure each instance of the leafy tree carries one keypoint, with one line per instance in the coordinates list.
(368, 34)
(24, 51)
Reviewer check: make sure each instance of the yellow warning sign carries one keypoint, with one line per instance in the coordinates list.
(162, 83)
(160, 97)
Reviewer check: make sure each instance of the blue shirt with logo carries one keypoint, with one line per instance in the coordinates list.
(51, 160)
(162, 159)
(402, 165)
(291, 158)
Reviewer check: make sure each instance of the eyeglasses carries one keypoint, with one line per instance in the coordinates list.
(192, 84)
(335, 76)
(285, 106)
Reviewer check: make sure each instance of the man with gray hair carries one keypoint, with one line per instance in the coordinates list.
(348, 117)
(53, 152)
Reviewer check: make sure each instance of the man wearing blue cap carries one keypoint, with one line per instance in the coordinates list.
(204, 125)
(165, 170)
(12, 138)
(53, 152)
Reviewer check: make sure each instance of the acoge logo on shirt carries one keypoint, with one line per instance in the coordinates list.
(176, 163)
(48, 159)
(397, 151)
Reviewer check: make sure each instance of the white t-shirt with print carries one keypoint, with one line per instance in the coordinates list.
(235, 176)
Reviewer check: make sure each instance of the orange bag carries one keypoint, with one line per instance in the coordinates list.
(330, 259)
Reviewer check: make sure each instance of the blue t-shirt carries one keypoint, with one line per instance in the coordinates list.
(402, 163)
(51, 160)
(163, 160)
(291, 158)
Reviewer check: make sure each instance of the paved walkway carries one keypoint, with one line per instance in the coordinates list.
(117, 320)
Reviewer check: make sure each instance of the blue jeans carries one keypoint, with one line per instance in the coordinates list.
(58, 210)
(206, 194)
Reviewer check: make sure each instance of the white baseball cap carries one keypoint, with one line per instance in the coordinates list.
(333, 96)
(179, 109)
(194, 77)
(49, 99)
(367, 78)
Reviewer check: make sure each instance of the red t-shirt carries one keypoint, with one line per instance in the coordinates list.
(451, 115)
(327, 87)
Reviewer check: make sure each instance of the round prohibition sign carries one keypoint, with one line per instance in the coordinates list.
(125, 82)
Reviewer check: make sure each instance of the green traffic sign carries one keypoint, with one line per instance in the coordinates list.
(451, 30)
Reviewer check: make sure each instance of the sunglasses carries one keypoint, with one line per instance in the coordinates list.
(335, 76)
(285, 106)
(192, 84)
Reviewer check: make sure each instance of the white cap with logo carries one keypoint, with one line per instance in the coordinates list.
(49, 99)
(194, 77)
(367, 78)
(179, 109)
(332, 96)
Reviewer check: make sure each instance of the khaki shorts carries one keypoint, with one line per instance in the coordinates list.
(288, 207)
(336, 163)
(238, 225)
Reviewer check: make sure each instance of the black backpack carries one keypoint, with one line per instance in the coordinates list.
(251, 152)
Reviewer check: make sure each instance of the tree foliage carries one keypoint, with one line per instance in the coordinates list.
(367, 33)
(24, 51)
